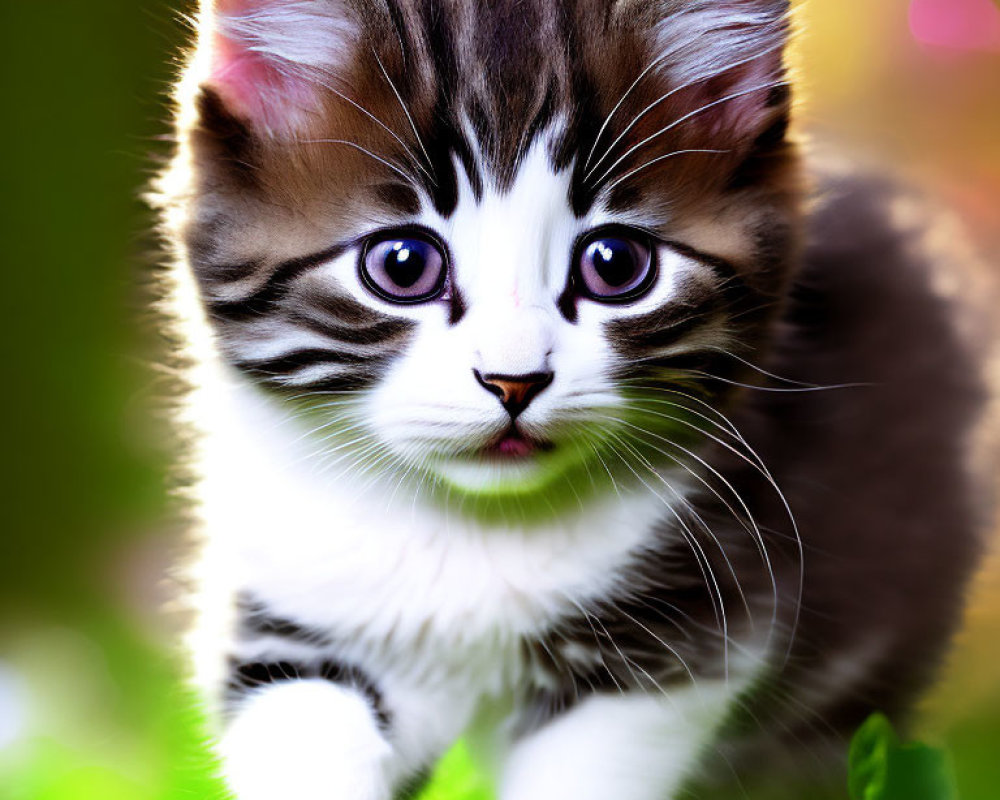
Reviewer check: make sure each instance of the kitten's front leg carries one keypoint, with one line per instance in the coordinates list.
(622, 747)
(307, 739)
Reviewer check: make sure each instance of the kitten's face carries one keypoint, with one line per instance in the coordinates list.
(498, 245)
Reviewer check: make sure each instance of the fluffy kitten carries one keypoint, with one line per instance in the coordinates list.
(535, 409)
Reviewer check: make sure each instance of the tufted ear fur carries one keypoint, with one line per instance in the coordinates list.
(730, 53)
(270, 59)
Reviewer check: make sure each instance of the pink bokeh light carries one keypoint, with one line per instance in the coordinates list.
(956, 24)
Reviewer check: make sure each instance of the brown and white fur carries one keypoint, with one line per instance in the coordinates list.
(796, 565)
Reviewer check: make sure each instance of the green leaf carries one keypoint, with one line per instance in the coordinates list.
(883, 769)
(457, 778)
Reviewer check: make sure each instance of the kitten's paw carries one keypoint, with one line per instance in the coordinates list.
(306, 740)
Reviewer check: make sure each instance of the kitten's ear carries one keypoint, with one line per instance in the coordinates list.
(269, 60)
(730, 54)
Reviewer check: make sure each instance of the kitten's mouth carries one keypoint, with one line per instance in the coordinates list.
(513, 445)
(513, 465)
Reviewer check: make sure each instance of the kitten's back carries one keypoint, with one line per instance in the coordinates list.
(889, 475)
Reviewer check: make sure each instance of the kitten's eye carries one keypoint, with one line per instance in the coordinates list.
(403, 269)
(615, 267)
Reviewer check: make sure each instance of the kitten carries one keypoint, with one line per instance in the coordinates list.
(537, 407)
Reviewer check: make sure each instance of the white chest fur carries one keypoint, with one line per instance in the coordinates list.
(391, 576)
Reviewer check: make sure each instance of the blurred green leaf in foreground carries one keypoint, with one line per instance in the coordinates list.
(881, 768)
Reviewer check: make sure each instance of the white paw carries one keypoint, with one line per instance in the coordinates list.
(305, 740)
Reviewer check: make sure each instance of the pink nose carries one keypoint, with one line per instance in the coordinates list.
(515, 391)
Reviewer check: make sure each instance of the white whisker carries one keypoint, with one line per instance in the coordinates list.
(651, 162)
(686, 85)
(398, 170)
(752, 529)
(409, 117)
(779, 389)
(685, 118)
(381, 124)
(607, 120)
(711, 582)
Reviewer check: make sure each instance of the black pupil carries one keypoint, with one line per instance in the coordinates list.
(613, 261)
(406, 262)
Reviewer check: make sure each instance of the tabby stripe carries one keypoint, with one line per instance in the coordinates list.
(322, 384)
(379, 333)
(336, 384)
(255, 621)
(345, 319)
(348, 310)
(294, 361)
(326, 382)
(660, 328)
(724, 270)
(262, 300)
(446, 137)
(245, 677)
(741, 298)
(682, 316)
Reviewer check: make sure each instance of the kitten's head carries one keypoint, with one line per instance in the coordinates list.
(502, 245)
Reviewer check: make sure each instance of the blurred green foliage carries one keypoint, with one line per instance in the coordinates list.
(82, 87)
(882, 768)
(457, 778)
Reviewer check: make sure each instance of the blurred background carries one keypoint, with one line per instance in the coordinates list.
(88, 704)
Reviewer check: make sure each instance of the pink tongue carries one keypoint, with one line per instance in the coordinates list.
(510, 446)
